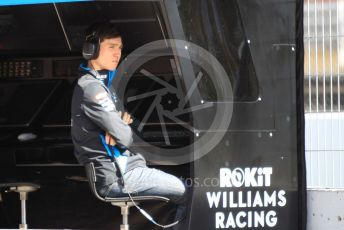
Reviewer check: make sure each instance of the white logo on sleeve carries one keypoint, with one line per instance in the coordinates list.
(105, 101)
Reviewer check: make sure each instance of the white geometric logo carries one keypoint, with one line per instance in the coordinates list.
(180, 99)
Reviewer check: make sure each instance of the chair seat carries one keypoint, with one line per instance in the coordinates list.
(22, 188)
(123, 202)
(19, 186)
(136, 198)
(90, 173)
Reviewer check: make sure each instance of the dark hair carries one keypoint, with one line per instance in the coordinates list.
(103, 30)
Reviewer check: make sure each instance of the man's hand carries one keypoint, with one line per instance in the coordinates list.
(126, 118)
(109, 139)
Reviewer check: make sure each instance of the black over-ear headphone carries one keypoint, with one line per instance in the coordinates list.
(90, 49)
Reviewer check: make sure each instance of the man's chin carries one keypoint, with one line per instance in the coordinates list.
(113, 67)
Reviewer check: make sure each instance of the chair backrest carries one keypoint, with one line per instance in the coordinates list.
(91, 176)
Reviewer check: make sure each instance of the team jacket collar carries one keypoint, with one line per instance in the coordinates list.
(105, 76)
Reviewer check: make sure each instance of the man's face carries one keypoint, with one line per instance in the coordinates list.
(109, 54)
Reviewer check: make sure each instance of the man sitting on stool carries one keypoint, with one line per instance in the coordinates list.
(97, 124)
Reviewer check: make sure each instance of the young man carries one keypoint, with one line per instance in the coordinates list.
(96, 122)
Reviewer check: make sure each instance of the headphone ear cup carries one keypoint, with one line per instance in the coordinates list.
(96, 49)
(90, 49)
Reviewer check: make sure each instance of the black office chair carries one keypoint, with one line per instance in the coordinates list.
(123, 202)
(22, 188)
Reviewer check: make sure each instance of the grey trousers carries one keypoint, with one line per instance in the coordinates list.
(152, 182)
(149, 181)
